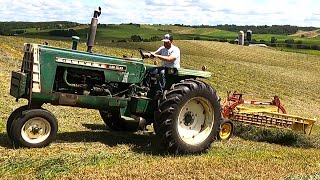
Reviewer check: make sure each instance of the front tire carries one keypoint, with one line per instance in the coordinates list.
(189, 117)
(16, 113)
(34, 128)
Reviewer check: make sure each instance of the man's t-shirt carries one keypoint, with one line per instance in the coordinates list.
(173, 51)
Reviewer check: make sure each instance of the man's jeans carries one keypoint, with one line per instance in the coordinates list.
(161, 81)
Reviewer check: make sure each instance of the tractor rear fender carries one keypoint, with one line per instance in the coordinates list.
(183, 72)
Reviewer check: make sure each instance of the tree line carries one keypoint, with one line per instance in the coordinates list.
(137, 38)
(291, 43)
(274, 29)
(265, 29)
(9, 28)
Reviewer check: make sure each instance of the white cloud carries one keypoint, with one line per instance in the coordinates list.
(245, 12)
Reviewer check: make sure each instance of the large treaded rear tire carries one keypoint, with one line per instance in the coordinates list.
(189, 117)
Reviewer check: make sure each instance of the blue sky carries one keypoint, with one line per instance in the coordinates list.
(190, 12)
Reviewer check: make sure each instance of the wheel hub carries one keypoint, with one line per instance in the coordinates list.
(225, 131)
(188, 118)
(36, 130)
(195, 120)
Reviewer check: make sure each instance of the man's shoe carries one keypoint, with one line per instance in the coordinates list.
(158, 95)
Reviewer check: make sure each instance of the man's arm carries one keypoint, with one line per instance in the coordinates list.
(164, 58)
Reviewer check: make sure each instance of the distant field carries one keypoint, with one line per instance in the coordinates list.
(302, 51)
(282, 38)
(118, 32)
(309, 34)
(125, 31)
(86, 149)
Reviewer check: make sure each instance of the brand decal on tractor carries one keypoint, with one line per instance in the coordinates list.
(92, 64)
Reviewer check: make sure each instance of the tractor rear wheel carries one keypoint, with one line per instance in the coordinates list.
(189, 117)
(34, 128)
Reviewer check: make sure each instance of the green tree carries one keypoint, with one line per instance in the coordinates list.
(155, 38)
(136, 38)
(315, 47)
(289, 42)
(299, 44)
(273, 41)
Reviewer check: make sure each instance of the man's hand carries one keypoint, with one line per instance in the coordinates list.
(146, 55)
(152, 54)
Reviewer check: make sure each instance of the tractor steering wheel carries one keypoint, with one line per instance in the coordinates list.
(141, 51)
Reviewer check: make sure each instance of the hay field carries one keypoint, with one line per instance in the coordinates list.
(86, 149)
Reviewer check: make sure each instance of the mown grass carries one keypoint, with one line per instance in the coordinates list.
(277, 136)
(86, 149)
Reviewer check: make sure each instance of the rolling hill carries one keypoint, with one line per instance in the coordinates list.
(306, 42)
(308, 34)
(117, 32)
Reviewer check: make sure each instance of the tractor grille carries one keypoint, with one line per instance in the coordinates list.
(31, 66)
(27, 62)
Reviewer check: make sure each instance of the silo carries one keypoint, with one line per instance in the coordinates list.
(241, 38)
(249, 33)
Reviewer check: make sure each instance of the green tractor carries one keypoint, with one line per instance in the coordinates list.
(186, 118)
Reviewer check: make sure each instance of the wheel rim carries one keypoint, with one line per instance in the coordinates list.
(195, 121)
(36, 130)
(225, 131)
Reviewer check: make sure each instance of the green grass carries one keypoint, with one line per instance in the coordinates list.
(126, 31)
(302, 51)
(86, 149)
(277, 136)
(53, 166)
(282, 38)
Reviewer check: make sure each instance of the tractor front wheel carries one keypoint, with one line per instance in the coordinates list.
(16, 113)
(34, 128)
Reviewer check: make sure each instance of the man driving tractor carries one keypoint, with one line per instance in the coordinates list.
(169, 54)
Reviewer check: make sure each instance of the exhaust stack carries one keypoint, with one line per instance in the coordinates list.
(93, 29)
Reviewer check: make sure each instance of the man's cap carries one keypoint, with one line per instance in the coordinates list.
(167, 38)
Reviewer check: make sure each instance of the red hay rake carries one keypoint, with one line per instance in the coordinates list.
(274, 116)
